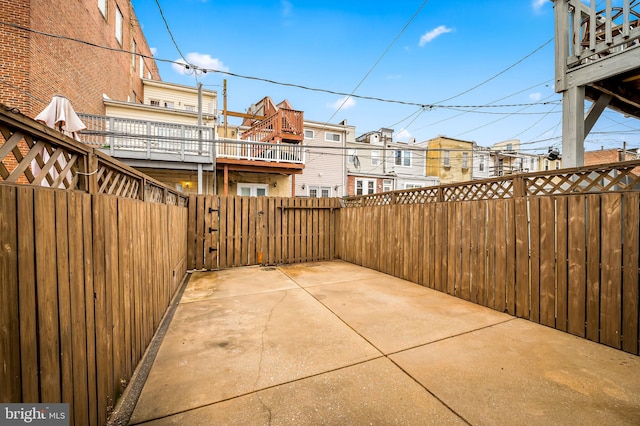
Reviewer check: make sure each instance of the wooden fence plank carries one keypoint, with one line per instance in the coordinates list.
(191, 233)
(611, 273)
(501, 277)
(547, 262)
(561, 263)
(522, 257)
(233, 231)
(630, 326)
(27, 292)
(491, 254)
(593, 267)
(510, 284)
(78, 309)
(89, 309)
(474, 260)
(47, 291)
(64, 298)
(102, 345)
(452, 247)
(534, 213)
(480, 280)
(224, 233)
(210, 225)
(10, 374)
(200, 223)
(466, 248)
(577, 274)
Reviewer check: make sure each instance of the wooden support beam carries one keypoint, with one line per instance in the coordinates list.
(594, 112)
(573, 127)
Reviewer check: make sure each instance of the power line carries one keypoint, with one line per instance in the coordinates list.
(496, 75)
(265, 80)
(166, 24)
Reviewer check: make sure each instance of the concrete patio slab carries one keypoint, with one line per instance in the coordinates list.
(277, 346)
(322, 273)
(523, 373)
(235, 282)
(225, 347)
(394, 314)
(375, 392)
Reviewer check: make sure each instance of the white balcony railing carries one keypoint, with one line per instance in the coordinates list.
(151, 140)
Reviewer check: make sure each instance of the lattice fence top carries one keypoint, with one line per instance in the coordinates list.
(623, 176)
(32, 153)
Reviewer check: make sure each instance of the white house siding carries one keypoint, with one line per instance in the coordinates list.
(180, 96)
(324, 166)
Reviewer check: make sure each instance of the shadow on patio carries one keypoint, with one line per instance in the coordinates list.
(335, 343)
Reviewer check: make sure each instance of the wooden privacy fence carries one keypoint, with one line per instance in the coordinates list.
(240, 231)
(566, 261)
(85, 277)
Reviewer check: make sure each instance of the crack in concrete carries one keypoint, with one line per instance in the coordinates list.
(264, 331)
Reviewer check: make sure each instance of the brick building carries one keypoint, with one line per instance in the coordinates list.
(37, 66)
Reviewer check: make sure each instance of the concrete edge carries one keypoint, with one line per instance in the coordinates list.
(121, 414)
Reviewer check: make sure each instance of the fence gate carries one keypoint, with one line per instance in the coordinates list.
(240, 231)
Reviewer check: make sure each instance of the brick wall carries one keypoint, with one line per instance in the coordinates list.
(35, 67)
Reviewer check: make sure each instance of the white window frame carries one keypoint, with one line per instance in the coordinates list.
(404, 156)
(446, 160)
(102, 7)
(481, 163)
(465, 160)
(319, 190)
(142, 67)
(313, 134)
(327, 139)
(365, 185)
(119, 24)
(253, 188)
(154, 102)
(387, 185)
(375, 158)
(168, 104)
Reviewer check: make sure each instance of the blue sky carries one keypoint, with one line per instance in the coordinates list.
(375, 48)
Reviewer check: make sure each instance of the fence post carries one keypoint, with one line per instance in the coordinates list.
(91, 173)
(518, 187)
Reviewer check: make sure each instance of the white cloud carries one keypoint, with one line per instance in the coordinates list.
(430, 35)
(537, 4)
(202, 60)
(153, 50)
(342, 103)
(394, 77)
(535, 97)
(286, 8)
(404, 135)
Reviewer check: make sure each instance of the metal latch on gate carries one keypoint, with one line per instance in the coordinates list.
(211, 210)
(212, 230)
(211, 249)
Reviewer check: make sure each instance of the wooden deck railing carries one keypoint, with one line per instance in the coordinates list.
(285, 124)
(85, 275)
(598, 33)
(260, 151)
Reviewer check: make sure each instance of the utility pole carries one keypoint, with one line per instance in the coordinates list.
(224, 95)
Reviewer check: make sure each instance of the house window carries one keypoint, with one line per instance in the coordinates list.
(168, 104)
(387, 185)
(365, 186)
(332, 137)
(141, 67)
(319, 191)
(445, 160)
(190, 107)
(253, 189)
(412, 185)
(557, 165)
(481, 165)
(509, 147)
(375, 158)
(546, 164)
(308, 134)
(118, 25)
(465, 160)
(403, 158)
(102, 5)
(154, 102)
